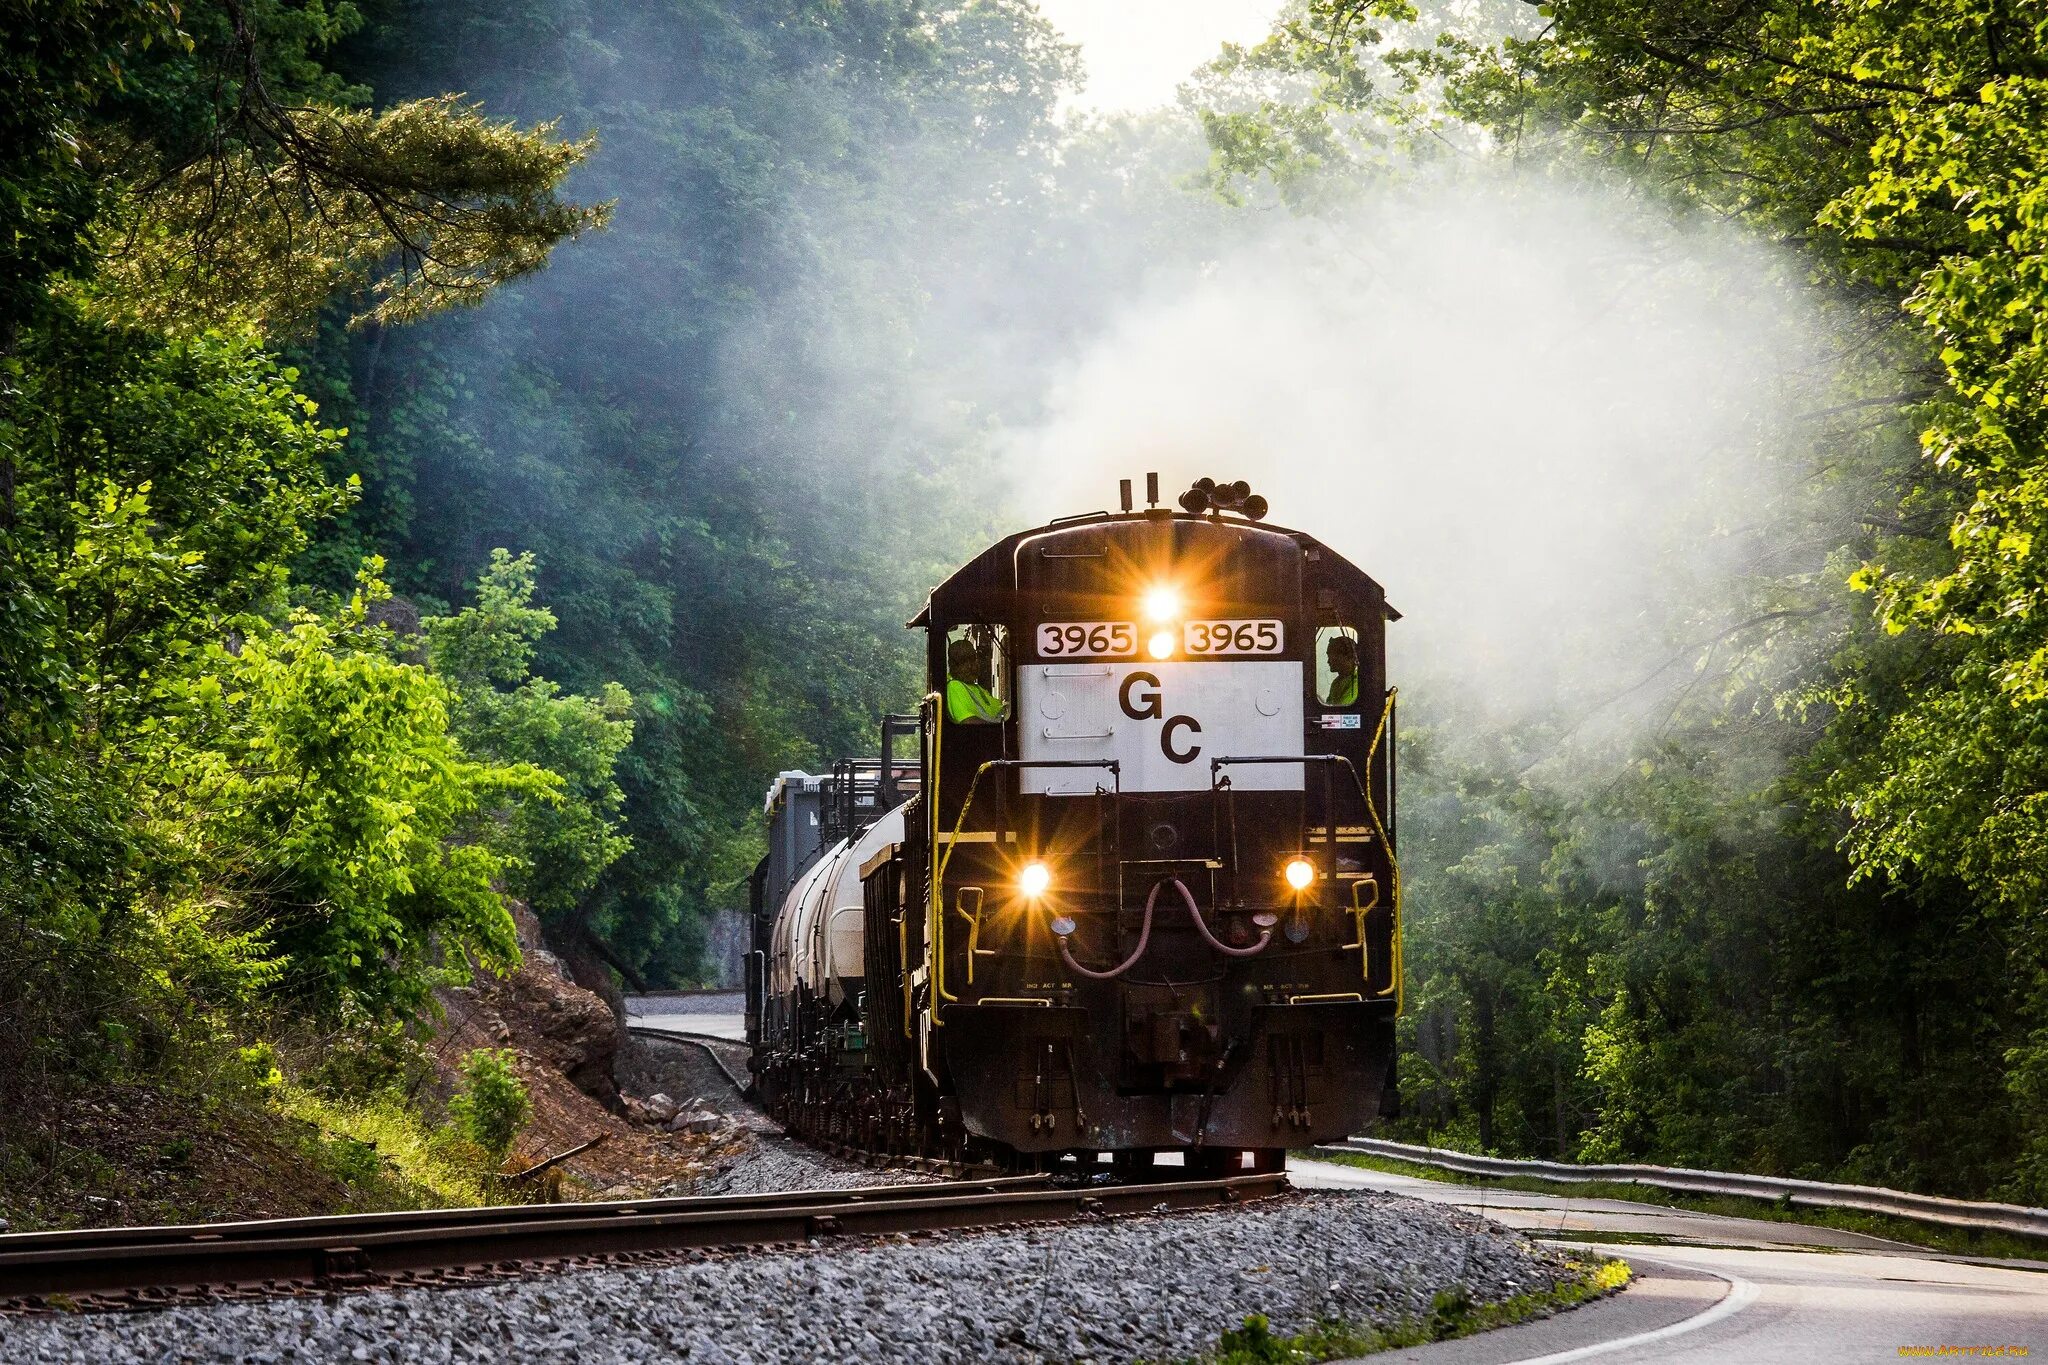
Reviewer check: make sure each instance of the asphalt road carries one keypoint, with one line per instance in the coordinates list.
(1734, 1289)
(715, 1014)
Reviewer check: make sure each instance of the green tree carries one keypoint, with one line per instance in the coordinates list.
(505, 714)
(1799, 929)
(736, 500)
(333, 783)
(209, 804)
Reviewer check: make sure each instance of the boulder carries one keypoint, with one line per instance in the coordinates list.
(700, 1121)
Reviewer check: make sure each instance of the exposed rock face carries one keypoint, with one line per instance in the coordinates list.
(581, 964)
(554, 1022)
(565, 1040)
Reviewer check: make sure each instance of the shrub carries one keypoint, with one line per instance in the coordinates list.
(492, 1105)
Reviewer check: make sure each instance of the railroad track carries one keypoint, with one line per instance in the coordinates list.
(142, 1267)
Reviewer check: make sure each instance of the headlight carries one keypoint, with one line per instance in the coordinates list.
(1160, 646)
(1300, 873)
(1034, 880)
(1161, 603)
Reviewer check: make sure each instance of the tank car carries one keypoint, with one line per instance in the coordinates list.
(1135, 890)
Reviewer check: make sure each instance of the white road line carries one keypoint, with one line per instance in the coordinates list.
(1741, 1294)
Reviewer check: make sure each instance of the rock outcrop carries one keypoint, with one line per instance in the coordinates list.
(565, 1040)
(550, 1019)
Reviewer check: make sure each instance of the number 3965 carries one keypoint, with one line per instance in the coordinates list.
(1087, 640)
(1233, 637)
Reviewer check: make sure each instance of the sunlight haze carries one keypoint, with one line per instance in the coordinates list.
(1138, 51)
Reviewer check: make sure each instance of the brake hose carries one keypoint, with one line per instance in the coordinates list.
(1188, 898)
(1144, 937)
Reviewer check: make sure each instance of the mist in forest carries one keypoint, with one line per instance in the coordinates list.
(1556, 429)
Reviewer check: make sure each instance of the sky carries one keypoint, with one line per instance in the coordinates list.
(1137, 51)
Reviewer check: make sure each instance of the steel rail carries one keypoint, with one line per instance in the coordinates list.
(353, 1248)
(406, 1219)
(1925, 1208)
(702, 1041)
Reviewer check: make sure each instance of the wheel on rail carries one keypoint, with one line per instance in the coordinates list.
(1134, 1167)
(1214, 1163)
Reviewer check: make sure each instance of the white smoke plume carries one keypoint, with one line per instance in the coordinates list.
(1555, 426)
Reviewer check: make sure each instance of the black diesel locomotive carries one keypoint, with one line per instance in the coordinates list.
(1136, 890)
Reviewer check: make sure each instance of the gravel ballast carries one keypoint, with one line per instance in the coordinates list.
(1150, 1287)
(766, 1162)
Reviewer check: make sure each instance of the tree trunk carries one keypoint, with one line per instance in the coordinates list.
(10, 333)
(1557, 1095)
(1486, 1082)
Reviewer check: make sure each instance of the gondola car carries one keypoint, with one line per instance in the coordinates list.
(1135, 892)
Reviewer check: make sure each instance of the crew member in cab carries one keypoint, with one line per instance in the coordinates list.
(967, 701)
(1342, 653)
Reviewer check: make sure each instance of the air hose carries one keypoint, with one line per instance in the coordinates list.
(1265, 934)
(1145, 935)
(1144, 938)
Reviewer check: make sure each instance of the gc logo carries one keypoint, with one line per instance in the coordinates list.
(1150, 705)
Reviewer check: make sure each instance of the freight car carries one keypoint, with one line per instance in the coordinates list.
(1130, 887)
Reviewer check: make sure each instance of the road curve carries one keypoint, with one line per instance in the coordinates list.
(719, 1014)
(1734, 1289)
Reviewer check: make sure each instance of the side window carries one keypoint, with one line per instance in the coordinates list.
(1337, 668)
(977, 683)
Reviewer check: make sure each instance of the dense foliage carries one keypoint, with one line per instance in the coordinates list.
(1799, 929)
(702, 422)
(246, 790)
(330, 614)
(223, 799)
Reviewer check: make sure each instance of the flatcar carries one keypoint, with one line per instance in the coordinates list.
(1130, 886)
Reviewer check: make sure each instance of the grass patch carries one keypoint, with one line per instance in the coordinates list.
(1451, 1315)
(379, 1140)
(1933, 1236)
(125, 1153)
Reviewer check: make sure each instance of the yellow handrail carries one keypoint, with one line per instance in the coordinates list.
(938, 705)
(938, 901)
(973, 922)
(1359, 912)
(935, 907)
(1394, 987)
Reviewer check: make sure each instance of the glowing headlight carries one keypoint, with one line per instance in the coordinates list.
(1160, 646)
(1034, 880)
(1161, 603)
(1300, 872)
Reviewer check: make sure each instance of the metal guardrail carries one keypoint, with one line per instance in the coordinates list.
(1927, 1208)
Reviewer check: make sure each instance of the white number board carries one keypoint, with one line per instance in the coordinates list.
(1208, 638)
(1162, 723)
(1087, 640)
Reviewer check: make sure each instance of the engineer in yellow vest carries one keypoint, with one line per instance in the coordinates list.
(1342, 652)
(967, 701)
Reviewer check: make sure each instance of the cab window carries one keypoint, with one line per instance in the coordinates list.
(1337, 668)
(977, 682)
